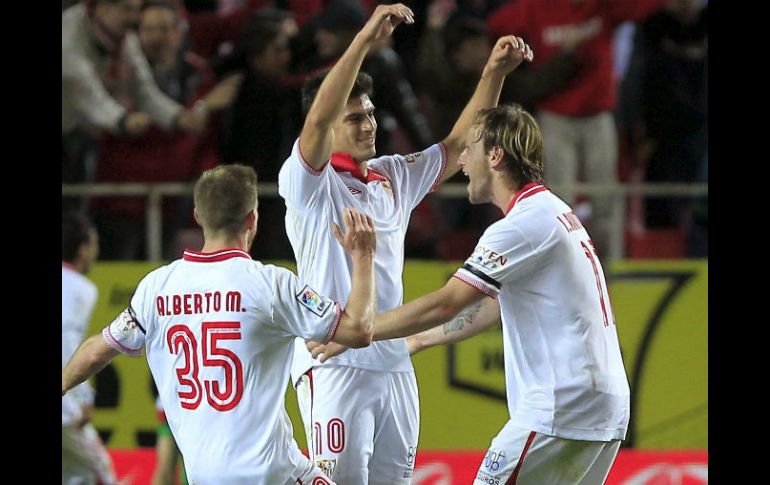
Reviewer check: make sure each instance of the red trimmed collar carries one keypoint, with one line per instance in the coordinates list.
(215, 256)
(69, 266)
(528, 190)
(343, 162)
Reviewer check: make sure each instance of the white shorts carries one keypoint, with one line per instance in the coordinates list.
(84, 459)
(362, 426)
(524, 457)
(294, 469)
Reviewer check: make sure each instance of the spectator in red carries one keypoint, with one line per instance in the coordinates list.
(577, 121)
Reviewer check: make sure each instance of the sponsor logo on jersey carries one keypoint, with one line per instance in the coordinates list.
(327, 466)
(353, 190)
(487, 258)
(413, 157)
(313, 301)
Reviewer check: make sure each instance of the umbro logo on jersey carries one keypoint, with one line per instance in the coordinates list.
(354, 190)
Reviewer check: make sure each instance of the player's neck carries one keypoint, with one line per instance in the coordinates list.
(503, 194)
(213, 245)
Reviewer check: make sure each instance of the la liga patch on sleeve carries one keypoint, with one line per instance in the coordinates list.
(314, 302)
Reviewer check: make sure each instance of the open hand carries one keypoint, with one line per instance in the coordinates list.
(359, 238)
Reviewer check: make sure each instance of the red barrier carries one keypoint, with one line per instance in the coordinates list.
(632, 467)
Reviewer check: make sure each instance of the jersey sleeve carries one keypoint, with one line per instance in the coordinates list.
(502, 255)
(299, 183)
(301, 311)
(415, 175)
(126, 333)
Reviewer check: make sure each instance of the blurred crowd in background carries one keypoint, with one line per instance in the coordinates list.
(161, 90)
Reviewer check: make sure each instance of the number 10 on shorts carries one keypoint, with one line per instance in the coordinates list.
(335, 436)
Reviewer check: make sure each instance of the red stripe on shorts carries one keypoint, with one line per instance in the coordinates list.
(515, 475)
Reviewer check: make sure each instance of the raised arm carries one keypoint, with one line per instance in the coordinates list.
(317, 134)
(508, 53)
(359, 241)
(91, 357)
(469, 322)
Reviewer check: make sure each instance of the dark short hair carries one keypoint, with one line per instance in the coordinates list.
(514, 130)
(224, 196)
(75, 231)
(363, 85)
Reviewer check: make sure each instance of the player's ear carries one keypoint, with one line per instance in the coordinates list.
(251, 220)
(197, 217)
(496, 157)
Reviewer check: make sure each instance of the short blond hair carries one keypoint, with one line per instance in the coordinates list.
(515, 131)
(224, 196)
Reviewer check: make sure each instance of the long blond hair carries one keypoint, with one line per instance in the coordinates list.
(515, 131)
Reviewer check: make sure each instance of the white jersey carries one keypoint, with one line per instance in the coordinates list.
(393, 187)
(218, 329)
(78, 297)
(564, 374)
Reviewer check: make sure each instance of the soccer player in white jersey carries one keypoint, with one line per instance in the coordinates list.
(568, 395)
(361, 410)
(218, 330)
(84, 457)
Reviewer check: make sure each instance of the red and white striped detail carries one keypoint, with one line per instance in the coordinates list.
(307, 166)
(444, 162)
(214, 257)
(333, 329)
(464, 276)
(113, 343)
(528, 190)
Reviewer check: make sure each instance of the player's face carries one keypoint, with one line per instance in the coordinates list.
(474, 162)
(356, 130)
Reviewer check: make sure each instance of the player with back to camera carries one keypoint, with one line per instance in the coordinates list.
(218, 330)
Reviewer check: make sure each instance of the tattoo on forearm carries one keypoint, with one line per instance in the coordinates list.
(466, 316)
